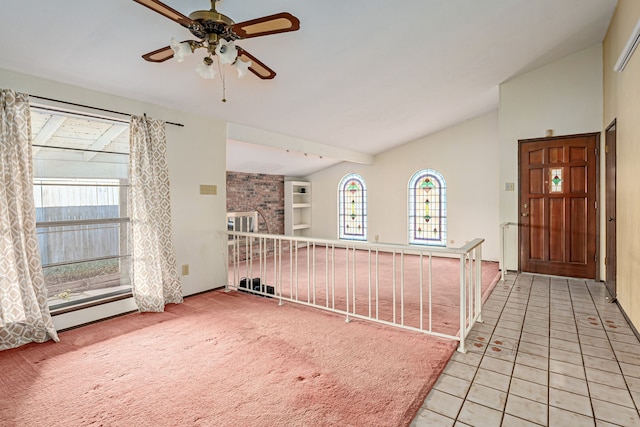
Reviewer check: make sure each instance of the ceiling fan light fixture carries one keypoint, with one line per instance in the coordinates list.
(242, 67)
(180, 49)
(206, 70)
(226, 51)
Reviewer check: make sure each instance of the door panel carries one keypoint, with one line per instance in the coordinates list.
(610, 161)
(536, 229)
(536, 181)
(556, 235)
(578, 231)
(558, 212)
(578, 180)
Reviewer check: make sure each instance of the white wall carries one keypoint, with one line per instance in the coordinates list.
(467, 157)
(196, 155)
(566, 97)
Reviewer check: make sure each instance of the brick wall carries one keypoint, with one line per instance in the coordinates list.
(258, 192)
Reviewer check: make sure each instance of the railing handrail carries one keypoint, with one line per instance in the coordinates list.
(388, 247)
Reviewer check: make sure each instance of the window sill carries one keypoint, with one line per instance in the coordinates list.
(88, 303)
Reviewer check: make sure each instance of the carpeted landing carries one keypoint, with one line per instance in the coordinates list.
(222, 359)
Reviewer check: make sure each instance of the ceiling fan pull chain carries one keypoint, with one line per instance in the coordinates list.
(224, 86)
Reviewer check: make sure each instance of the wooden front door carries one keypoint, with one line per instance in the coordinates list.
(558, 205)
(610, 177)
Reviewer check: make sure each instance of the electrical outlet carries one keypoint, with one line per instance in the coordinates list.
(185, 269)
(210, 190)
(509, 186)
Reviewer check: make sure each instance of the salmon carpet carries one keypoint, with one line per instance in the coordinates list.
(222, 359)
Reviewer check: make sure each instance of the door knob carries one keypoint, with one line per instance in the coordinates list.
(525, 214)
(611, 219)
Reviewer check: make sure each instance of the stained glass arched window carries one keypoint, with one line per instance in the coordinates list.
(352, 208)
(428, 208)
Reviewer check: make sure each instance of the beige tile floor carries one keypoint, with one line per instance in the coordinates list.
(550, 351)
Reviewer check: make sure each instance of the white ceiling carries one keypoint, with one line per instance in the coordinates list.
(362, 75)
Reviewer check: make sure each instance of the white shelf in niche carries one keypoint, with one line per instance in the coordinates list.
(297, 208)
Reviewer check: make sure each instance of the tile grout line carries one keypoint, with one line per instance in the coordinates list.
(504, 411)
(549, 358)
(456, 419)
(624, 377)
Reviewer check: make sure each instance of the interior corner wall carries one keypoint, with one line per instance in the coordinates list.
(622, 103)
(565, 97)
(465, 154)
(196, 155)
(258, 192)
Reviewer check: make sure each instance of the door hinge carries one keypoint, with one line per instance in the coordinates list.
(595, 205)
(606, 149)
(605, 260)
(596, 151)
(595, 258)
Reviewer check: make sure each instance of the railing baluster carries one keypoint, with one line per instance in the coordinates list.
(377, 283)
(430, 288)
(463, 304)
(393, 270)
(402, 288)
(354, 280)
(326, 276)
(347, 281)
(313, 274)
(308, 273)
(333, 276)
(421, 265)
(369, 280)
(478, 253)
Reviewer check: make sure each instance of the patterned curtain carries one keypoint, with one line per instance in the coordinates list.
(24, 311)
(154, 273)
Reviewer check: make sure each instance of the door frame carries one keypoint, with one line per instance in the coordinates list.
(598, 143)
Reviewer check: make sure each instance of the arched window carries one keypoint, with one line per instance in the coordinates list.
(428, 208)
(352, 208)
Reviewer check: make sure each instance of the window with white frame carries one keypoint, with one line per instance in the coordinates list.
(80, 188)
(352, 208)
(428, 208)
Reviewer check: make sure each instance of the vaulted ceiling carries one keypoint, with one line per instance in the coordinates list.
(358, 78)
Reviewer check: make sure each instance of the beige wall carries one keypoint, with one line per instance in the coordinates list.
(564, 96)
(465, 154)
(622, 102)
(196, 155)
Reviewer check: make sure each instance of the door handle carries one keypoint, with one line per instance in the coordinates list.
(525, 214)
(611, 219)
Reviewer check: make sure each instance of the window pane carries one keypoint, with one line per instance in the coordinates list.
(79, 282)
(80, 191)
(427, 208)
(82, 242)
(352, 208)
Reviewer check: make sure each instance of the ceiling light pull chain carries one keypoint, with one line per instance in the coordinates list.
(224, 86)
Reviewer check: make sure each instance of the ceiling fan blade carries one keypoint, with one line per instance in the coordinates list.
(257, 67)
(167, 11)
(272, 24)
(159, 55)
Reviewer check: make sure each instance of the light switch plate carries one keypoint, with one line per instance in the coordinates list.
(210, 190)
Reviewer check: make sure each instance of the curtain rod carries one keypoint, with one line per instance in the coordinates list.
(94, 108)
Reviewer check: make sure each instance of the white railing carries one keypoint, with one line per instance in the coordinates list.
(384, 283)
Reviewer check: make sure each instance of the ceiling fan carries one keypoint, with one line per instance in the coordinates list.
(216, 33)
